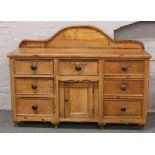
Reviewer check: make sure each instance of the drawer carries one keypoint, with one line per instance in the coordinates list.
(123, 87)
(34, 67)
(78, 67)
(124, 67)
(122, 108)
(32, 106)
(34, 86)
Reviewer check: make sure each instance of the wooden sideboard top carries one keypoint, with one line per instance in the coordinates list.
(80, 41)
(92, 53)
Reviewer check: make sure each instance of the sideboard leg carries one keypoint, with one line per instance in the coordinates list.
(56, 125)
(101, 125)
(16, 124)
(141, 126)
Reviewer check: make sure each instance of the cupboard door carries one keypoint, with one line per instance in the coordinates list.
(78, 100)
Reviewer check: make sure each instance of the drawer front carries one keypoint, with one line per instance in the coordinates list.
(35, 106)
(33, 67)
(124, 67)
(34, 86)
(123, 87)
(122, 108)
(78, 67)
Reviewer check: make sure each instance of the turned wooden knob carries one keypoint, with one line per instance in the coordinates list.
(34, 107)
(123, 108)
(123, 87)
(124, 67)
(34, 86)
(78, 67)
(34, 67)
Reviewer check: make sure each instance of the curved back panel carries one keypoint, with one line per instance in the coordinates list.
(80, 37)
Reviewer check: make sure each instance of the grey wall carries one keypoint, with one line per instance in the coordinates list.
(145, 32)
(142, 29)
(11, 33)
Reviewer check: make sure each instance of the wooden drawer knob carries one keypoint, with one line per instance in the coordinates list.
(34, 67)
(124, 67)
(34, 107)
(123, 87)
(78, 67)
(34, 86)
(123, 108)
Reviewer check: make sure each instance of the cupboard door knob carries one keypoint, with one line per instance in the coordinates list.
(34, 86)
(78, 67)
(123, 87)
(124, 67)
(66, 100)
(34, 67)
(34, 107)
(123, 108)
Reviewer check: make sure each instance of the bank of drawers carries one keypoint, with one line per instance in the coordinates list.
(34, 94)
(34, 85)
(121, 93)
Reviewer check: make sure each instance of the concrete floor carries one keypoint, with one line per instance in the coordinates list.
(6, 126)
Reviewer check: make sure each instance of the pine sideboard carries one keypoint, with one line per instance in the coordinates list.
(79, 75)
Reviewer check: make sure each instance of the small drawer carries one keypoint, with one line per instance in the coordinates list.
(78, 67)
(30, 106)
(122, 108)
(33, 67)
(124, 67)
(123, 87)
(34, 86)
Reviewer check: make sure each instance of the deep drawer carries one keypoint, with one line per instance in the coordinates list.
(122, 108)
(34, 86)
(30, 106)
(123, 87)
(124, 67)
(33, 67)
(78, 67)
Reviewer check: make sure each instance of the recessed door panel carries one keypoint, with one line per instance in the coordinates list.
(78, 100)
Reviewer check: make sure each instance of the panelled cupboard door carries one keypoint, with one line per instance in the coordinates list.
(79, 100)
